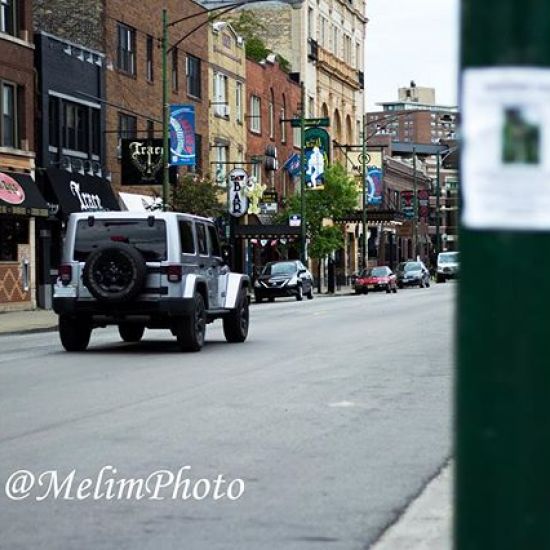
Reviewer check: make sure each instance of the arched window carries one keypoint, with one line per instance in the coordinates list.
(282, 122)
(271, 115)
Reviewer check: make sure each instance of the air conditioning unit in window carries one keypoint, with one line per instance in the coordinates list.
(223, 110)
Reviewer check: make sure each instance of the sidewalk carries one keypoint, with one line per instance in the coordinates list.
(427, 522)
(38, 320)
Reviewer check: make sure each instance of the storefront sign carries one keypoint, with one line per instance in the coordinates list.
(407, 204)
(317, 148)
(237, 198)
(10, 191)
(269, 204)
(295, 220)
(78, 193)
(182, 135)
(141, 162)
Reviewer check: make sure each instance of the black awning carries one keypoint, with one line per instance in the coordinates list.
(20, 195)
(266, 231)
(78, 193)
(373, 216)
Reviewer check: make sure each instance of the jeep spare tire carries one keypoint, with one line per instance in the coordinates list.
(114, 273)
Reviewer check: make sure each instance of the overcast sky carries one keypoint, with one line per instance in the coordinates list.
(411, 40)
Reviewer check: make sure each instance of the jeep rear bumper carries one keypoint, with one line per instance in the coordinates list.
(113, 312)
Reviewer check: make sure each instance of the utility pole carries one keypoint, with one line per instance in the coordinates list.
(502, 416)
(364, 195)
(415, 205)
(165, 114)
(303, 176)
(437, 201)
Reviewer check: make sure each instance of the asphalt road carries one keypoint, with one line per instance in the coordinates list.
(335, 414)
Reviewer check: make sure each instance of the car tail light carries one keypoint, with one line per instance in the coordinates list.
(174, 273)
(65, 273)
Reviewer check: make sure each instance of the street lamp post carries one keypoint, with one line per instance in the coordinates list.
(415, 204)
(437, 201)
(303, 234)
(364, 196)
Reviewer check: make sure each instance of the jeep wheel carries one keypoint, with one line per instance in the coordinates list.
(74, 333)
(309, 295)
(131, 332)
(258, 299)
(235, 325)
(299, 293)
(115, 272)
(191, 330)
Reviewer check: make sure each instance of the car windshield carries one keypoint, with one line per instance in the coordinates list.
(377, 272)
(448, 258)
(150, 240)
(283, 268)
(412, 266)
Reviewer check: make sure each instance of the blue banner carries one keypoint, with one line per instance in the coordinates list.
(182, 135)
(375, 190)
(292, 165)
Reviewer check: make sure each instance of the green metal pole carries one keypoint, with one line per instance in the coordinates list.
(415, 206)
(165, 113)
(303, 177)
(364, 198)
(502, 484)
(437, 202)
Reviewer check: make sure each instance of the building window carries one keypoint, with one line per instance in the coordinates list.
(311, 106)
(8, 122)
(14, 232)
(127, 128)
(150, 59)
(323, 31)
(222, 154)
(198, 153)
(347, 49)
(310, 18)
(75, 127)
(282, 121)
(175, 83)
(255, 114)
(126, 50)
(221, 107)
(96, 132)
(193, 76)
(150, 129)
(239, 102)
(358, 63)
(271, 111)
(335, 40)
(53, 119)
(297, 138)
(8, 17)
(257, 171)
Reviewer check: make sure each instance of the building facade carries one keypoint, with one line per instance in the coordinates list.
(20, 201)
(227, 91)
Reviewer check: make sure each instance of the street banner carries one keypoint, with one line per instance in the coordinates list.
(407, 204)
(182, 135)
(292, 165)
(316, 150)
(236, 189)
(374, 185)
(423, 204)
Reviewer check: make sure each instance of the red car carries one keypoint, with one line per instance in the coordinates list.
(376, 278)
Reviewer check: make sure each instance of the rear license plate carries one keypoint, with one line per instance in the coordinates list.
(372, 286)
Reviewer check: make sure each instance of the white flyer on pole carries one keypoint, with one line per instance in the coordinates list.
(505, 167)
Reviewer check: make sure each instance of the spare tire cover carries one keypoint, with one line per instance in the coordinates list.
(115, 272)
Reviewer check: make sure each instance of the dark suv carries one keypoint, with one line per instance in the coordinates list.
(288, 278)
(146, 270)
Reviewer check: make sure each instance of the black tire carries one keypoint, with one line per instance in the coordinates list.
(131, 332)
(235, 325)
(394, 290)
(421, 283)
(299, 293)
(388, 289)
(400, 285)
(74, 332)
(309, 295)
(440, 278)
(258, 299)
(114, 273)
(271, 299)
(358, 291)
(428, 283)
(191, 330)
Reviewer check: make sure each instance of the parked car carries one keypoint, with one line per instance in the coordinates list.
(412, 273)
(287, 278)
(161, 270)
(447, 266)
(376, 278)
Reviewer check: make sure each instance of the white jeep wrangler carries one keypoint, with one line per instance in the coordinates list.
(146, 270)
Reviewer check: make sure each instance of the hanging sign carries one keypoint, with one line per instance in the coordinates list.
(237, 199)
(407, 204)
(316, 151)
(295, 220)
(506, 148)
(254, 191)
(269, 203)
(182, 135)
(374, 185)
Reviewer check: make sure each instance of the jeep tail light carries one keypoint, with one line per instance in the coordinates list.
(65, 273)
(174, 273)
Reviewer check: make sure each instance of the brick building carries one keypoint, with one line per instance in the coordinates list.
(129, 36)
(20, 201)
(272, 96)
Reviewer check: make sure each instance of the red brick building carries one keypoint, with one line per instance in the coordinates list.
(272, 97)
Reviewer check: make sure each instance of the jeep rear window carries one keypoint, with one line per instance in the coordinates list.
(150, 240)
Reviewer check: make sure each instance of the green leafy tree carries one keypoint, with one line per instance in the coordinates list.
(197, 195)
(338, 197)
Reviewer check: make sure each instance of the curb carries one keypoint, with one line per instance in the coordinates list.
(18, 332)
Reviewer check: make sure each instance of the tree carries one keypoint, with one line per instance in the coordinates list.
(338, 197)
(197, 195)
